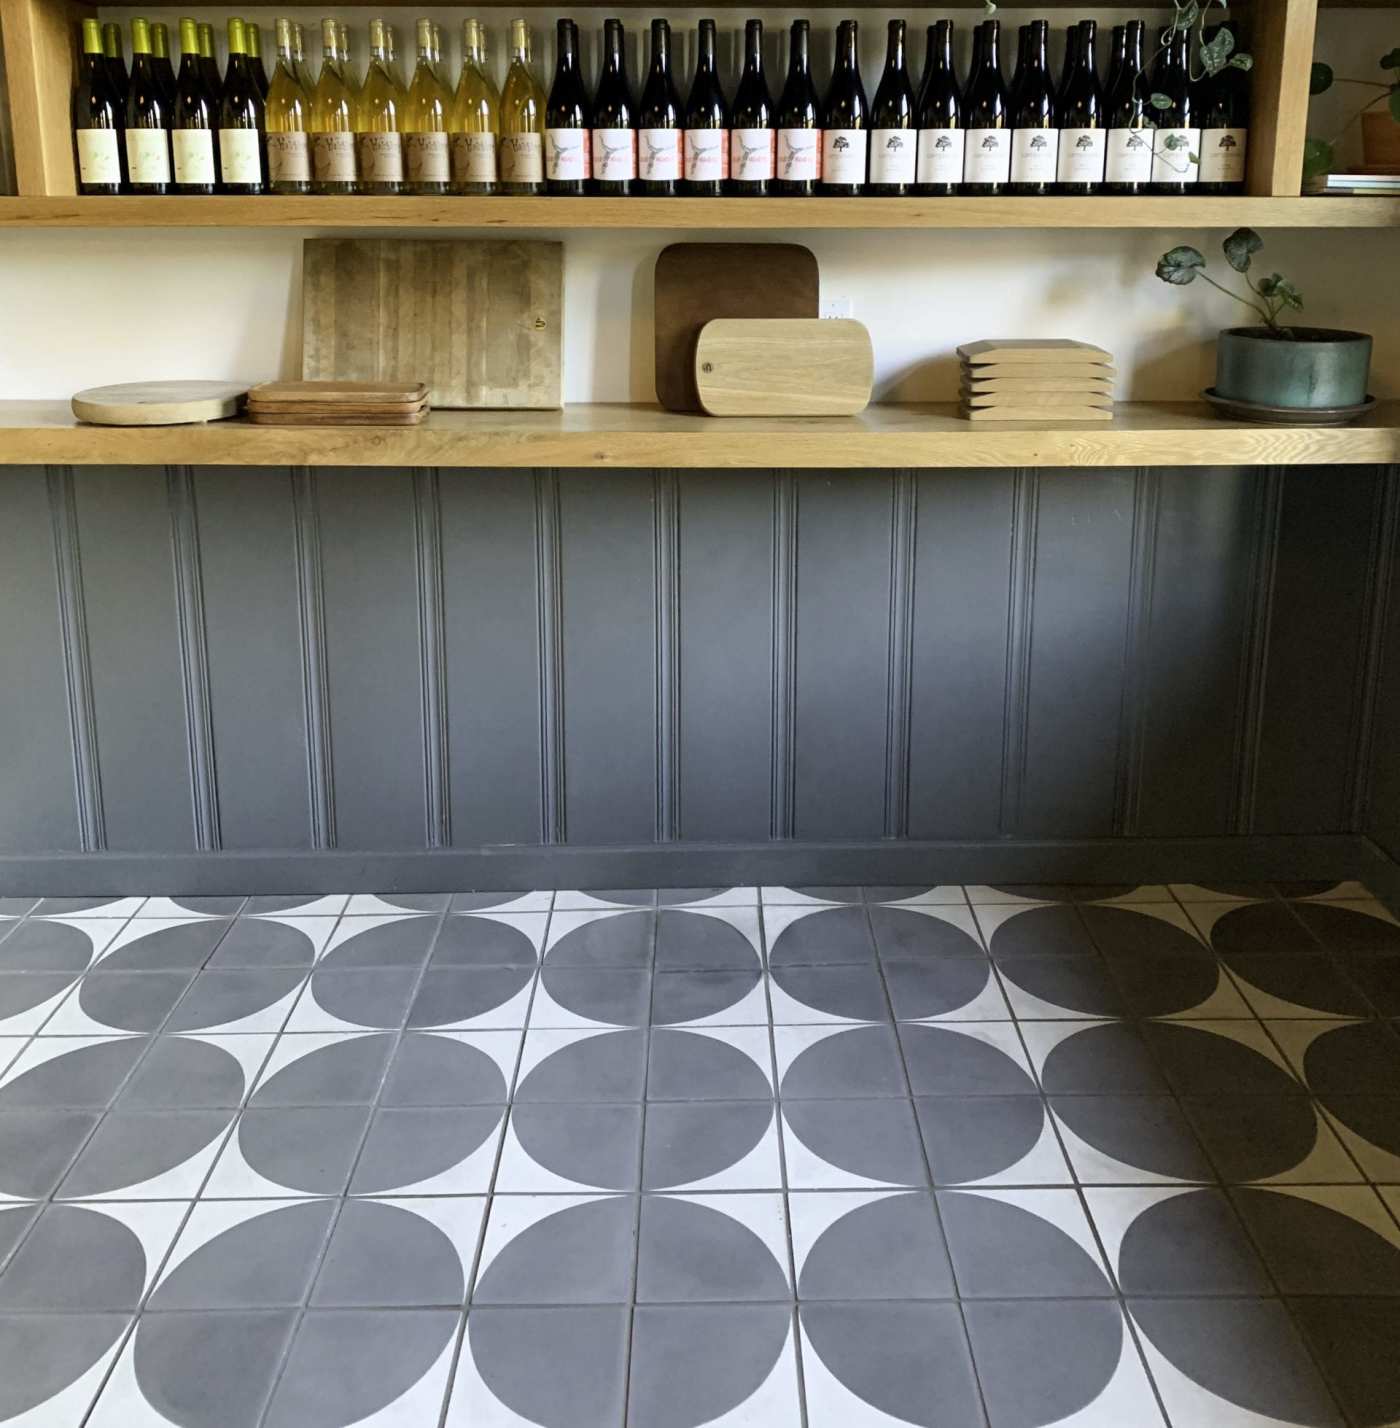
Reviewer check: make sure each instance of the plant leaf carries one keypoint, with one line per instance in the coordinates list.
(1214, 53)
(1392, 60)
(1277, 286)
(1320, 78)
(1178, 265)
(1187, 13)
(989, 7)
(1240, 246)
(1317, 157)
(1242, 61)
(1159, 101)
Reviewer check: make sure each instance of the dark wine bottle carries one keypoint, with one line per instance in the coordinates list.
(799, 121)
(1023, 36)
(147, 119)
(659, 138)
(253, 38)
(846, 138)
(893, 132)
(1035, 139)
(1128, 169)
(209, 65)
(242, 158)
(941, 135)
(614, 118)
(987, 161)
(160, 59)
(1082, 132)
(116, 62)
(567, 118)
(752, 139)
(1224, 126)
(196, 118)
(1177, 145)
(1117, 57)
(98, 118)
(706, 123)
(1073, 42)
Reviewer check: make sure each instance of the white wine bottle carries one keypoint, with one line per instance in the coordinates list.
(98, 118)
(332, 121)
(196, 119)
(391, 60)
(379, 121)
(242, 147)
(522, 119)
(147, 119)
(349, 69)
(476, 117)
(287, 117)
(300, 68)
(425, 122)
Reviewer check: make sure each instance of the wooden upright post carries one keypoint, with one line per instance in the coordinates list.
(40, 40)
(1282, 33)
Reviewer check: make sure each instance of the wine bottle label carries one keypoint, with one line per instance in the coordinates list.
(706, 155)
(843, 155)
(614, 155)
(194, 155)
(1129, 156)
(566, 154)
(522, 158)
(333, 157)
(659, 154)
(1081, 156)
(1034, 154)
(941, 155)
(148, 155)
(1222, 155)
(98, 158)
(752, 155)
(288, 157)
(894, 155)
(1172, 151)
(987, 156)
(380, 157)
(239, 156)
(424, 157)
(474, 157)
(800, 155)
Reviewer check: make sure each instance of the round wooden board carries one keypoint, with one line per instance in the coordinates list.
(159, 403)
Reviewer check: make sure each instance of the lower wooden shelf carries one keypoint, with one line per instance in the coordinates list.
(608, 435)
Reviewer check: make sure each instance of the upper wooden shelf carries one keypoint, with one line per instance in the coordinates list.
(1141, 434)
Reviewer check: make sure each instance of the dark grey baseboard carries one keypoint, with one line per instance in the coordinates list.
(705, 865)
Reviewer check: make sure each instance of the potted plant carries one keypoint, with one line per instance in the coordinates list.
(1380, 128)
(1276, 365)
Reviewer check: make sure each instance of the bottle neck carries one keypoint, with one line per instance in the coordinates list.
(705, 50)
(660, 48)
(943, 46)
(894, 49)
(991, 47)
(753, 49)
(567, 60)
(1036, 47)
(612, 55)
(846, 46)
(799, 61)
(92, 39)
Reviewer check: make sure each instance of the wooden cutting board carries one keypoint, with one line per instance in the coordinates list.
(1040, 401)
(354, 394)
(1013, 385)
(784, 366)
(1038, 414)
(1036, 372)
(698, 282)
(480, 322)
(1032, 349)
(261, 418)
(334, 409)
(159, 403)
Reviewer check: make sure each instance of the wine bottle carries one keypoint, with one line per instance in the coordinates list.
(160, 58)
(1023, 36)
(391, 61)
(1083, 147)
(1074, 39)
(242, 148)
(1128, 169)
(1224, 126)
(659, 136)
(300, 68)
(196, 119)
(846, 137)
(752, 140)
(115, 62)
(209, 67)
(706, 153)
(893, 125)
(253, 36)
(349, 68)
(522, 119)
(1035, 138)
(425, 147)
(379, 122)
(437, 57)
(614, 118)
(288, 117)
(98, 118)
(1177, 144)
(476, 117)
(332, 121)
(799, 121)
(1117, 57)
(147, 120)
(567, 119)
(987, 158)
(941, 135)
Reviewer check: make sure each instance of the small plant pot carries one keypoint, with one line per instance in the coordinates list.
(1317, 367)
(1380, 141)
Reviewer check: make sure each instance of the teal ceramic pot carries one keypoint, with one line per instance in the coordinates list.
(1318, 367)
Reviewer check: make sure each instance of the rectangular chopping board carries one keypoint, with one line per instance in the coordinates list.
(480, 321)
(784, 366)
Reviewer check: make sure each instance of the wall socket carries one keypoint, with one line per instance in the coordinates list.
(835, 307)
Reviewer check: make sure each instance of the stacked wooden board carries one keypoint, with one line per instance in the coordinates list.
(338, 403)
(1036, 379)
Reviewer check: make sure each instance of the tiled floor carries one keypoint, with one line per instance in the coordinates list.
(832, 1157)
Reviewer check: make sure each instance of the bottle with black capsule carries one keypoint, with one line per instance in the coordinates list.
(941, 133)
(614, 118)
(799, 121)
(1128, 169)
(147, 119)
(893, 124)
(659, 134)
(1224, 123)
(1083, 147)
(1035, 140)
(987, 157)
(1073, 40)
(846, 138)
(1117, 47)
(1177, 144)
(567, 118)
(752, 139)
(706, 152)
(99, 117)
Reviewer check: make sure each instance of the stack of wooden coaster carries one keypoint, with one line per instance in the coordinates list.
(1034, 379)
(338, 403)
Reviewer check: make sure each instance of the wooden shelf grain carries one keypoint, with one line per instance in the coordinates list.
(606, 435)
(564, 214)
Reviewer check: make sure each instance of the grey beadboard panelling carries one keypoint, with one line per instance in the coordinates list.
(247, 543)
(38, 789)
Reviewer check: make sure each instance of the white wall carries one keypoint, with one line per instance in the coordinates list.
(84, 308)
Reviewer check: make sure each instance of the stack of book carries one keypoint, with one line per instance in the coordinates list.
(1358, 181)
(338, 403)
(1036, 379)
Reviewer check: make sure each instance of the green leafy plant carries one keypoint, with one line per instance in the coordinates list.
(1320, 154)
(1275, 294)
(1210, 55)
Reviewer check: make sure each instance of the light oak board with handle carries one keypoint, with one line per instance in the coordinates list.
(784, 367)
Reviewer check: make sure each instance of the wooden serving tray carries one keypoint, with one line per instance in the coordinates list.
(339, 393)
(1037, 372)
(784, 367)
(346, 419)
(336, 409)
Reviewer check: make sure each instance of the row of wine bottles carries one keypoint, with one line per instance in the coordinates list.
(1150, 128)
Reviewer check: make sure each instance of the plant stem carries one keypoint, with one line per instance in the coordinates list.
(1263, 312)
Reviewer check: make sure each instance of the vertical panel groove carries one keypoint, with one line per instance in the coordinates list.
(549, 594)
(1137, 637)
(784, 742)
(77, 665)
(899, 699)
(437, 802)
(1255, 653)
(311, 612)
(1025, 516)
(667, 528)
(194, 657)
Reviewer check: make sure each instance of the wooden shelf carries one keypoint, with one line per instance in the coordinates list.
(1141, 434)
(690, 213)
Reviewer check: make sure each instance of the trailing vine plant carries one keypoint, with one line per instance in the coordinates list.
(1319, 154)
(1272, 296)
